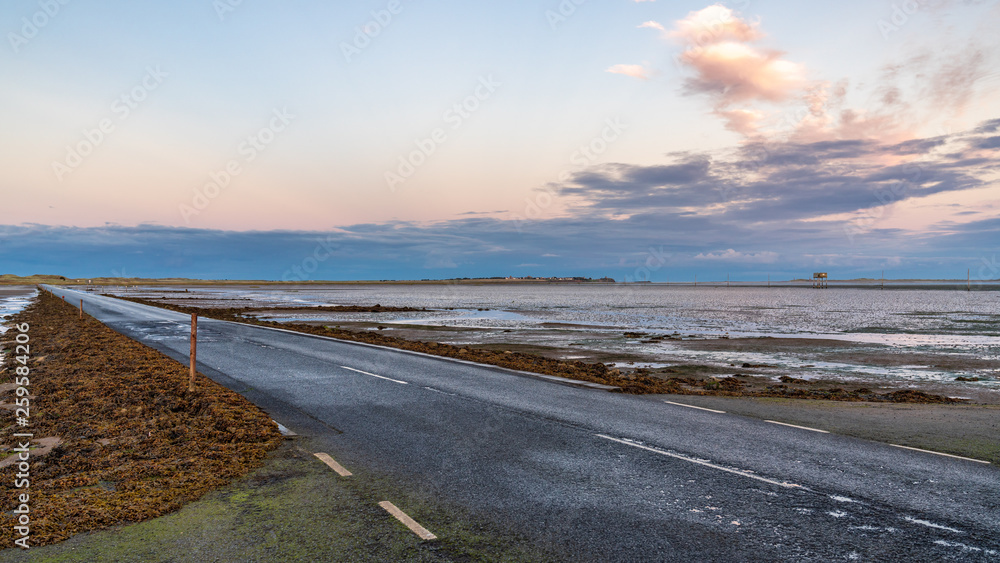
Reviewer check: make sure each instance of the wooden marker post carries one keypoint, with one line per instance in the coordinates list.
(81, 308)
(194, 349)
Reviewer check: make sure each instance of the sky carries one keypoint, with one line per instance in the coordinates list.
(642, 140)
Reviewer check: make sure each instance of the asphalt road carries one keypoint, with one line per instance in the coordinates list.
(589, 474)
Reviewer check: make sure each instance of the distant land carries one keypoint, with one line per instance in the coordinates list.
(54, 279)
(11, 279)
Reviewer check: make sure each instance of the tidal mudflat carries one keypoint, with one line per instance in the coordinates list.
(939, 341)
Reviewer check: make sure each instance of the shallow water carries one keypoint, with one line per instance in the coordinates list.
(858, 314)
(12, 300)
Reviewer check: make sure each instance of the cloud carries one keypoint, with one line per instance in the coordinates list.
(620, 182)
(713, 25)
(730, 255)
(793, 206)
(635, 71)
(758, 91)
(743, 121)
(737, 72)
(437, 260)
(988, 143)
(787, 182)
(930, 85)
(719, 48)
(652, 25)
(990, 126)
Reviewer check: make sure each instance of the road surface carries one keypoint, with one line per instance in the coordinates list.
(590, 474)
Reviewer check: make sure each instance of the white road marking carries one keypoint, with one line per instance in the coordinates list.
(931, 524)
(283, 429)
(694, 407)
(964, 547)
(939, 453)
(325, 458)
(407, 521)
(797, 426)
(705, 463)
(378, 376)
(439, 391)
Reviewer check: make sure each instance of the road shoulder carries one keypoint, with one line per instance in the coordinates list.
(964, 430)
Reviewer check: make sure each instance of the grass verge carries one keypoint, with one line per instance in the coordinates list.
(131, 443)
(293, 508)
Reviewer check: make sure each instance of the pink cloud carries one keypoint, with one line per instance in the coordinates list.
(715, 24)
(635, 71)
(740, 72)
(719, 47)
(757, 90)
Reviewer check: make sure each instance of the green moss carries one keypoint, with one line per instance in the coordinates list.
(292, 509)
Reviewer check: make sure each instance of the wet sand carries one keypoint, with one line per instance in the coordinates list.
(809, 350)
(840, 351)
(15, 291)
(843, 351)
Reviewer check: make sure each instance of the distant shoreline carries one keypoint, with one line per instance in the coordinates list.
(858, 283)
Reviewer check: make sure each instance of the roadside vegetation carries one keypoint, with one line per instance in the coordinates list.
(117, 438)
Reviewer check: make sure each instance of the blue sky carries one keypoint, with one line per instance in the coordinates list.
(631, 139)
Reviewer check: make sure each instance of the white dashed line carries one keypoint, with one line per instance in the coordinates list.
(939, 453)
(694, 407)
(439, 391)
(325, 458)
(964, 547)
(797, 426)
(705, 463)
(931, 524)
(407, 521)
(378, 376)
